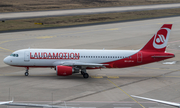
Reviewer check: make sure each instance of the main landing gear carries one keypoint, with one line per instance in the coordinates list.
(84, 73)
(27, 73)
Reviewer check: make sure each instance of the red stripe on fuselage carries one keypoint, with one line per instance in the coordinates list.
(134, 60)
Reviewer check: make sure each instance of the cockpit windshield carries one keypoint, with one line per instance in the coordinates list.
(14, 55)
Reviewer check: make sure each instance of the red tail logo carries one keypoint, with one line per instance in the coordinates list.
(161, 38)
(159, 41)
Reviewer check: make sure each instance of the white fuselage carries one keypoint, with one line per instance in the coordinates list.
(50, 57)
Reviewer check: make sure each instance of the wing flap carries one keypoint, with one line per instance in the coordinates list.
(92, 65)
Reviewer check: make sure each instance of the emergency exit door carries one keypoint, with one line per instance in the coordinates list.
(139, 57)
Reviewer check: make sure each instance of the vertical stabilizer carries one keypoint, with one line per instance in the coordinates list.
(159, 41)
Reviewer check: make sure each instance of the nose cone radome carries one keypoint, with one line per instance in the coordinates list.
(6, 60)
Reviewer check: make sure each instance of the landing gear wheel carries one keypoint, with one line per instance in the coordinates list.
(27, 71)
(86, 75)
(82, 73)
(26, 74)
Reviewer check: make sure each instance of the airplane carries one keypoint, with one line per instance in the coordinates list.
(159, 101)
(69, 61)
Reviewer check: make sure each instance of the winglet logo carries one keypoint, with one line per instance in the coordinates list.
(161, 38)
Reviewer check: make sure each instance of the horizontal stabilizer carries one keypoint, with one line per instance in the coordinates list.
(161, 56)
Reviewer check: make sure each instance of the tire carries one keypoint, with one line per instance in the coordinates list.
(86, 75)
(82, 73)
(26, 74)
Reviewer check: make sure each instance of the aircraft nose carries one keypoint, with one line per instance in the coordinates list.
(6, 60)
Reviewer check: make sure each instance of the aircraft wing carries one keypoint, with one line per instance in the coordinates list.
(7, 102)
(11, 103)
(159, 101)
(35, 105)
(92, 65)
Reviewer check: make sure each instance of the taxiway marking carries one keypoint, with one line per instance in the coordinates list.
(113, 29)
(126, 93)
(6, 49)
(96, 76)
(45, 37)
(113, 77)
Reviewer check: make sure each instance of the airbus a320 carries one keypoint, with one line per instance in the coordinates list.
(69, 61)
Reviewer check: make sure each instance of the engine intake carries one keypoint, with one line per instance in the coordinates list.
(66, 70)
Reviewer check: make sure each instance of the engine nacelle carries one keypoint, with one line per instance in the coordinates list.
(64, 70)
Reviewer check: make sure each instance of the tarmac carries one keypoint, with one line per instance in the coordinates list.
(106, 88)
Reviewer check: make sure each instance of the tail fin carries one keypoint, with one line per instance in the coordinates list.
(159, 41)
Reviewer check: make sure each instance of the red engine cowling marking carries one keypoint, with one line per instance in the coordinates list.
(64, 70)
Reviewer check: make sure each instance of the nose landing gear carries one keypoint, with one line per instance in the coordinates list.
(27, 73)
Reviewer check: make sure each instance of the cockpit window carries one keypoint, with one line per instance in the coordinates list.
(14, 55)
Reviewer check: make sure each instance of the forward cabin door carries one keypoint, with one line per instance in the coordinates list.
(26, 56)
(139, 57)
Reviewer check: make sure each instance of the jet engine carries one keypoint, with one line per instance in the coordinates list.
(65, 70)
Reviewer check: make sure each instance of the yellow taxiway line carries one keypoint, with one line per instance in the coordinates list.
(126, 93)
(6, 49)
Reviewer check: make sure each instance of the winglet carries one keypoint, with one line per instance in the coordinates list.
(12, 100)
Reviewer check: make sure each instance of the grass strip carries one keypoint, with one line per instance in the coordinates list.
(34, 5)
(84, 19)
